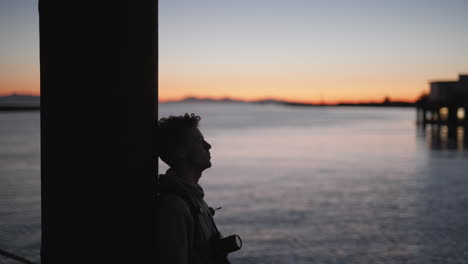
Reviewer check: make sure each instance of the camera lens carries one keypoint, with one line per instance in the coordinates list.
(238, 241)
(230, 244)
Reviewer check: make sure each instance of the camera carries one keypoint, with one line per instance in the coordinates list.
(226, 245)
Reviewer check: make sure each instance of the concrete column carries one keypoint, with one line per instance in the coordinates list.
(98, 64)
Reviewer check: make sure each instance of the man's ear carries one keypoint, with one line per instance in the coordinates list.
(180, 152)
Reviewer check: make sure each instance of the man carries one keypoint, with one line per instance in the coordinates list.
(187, 232)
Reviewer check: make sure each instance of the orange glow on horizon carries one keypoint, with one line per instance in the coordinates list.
(300, 89)
(19, 90)
(15, 92)
(312, 97)
(324, 89)
(15, 83)
(292, 100)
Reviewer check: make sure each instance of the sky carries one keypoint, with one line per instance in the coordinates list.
(296, 50)
(19, 47)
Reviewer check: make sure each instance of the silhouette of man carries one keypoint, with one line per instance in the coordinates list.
(187, 231)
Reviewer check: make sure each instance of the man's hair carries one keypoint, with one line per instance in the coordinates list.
(170, 134)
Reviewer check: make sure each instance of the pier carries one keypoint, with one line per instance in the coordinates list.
(446, 104)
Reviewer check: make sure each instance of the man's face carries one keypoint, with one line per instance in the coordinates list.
(197, 149)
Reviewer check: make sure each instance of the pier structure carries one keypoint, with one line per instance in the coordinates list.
(446, 104)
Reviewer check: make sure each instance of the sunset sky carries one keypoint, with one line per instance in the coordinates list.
(298, 50)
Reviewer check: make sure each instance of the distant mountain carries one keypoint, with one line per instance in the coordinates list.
(386, 103)
(30, 102)
(16, 101)
(207, 100)
(204, 100)
(225, 100)
(270, 101)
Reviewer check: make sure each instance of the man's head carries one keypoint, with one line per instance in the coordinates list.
(181, 144)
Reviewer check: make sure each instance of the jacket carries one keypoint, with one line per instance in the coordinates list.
(186, 228)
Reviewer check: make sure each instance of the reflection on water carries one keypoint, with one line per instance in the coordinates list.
(334, 185)
(461, 138)
(443, 137)
(299, 185)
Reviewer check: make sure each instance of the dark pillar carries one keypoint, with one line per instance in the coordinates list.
(452, 131)
(465, 131)
(452, 115)
(436, 115)
(418, 115)
(465, 118)
(465, 127)
(435, 137)
(424, 120)
(98, 104)
(452, 121)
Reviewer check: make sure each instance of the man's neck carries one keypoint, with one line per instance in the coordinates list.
(187, 175)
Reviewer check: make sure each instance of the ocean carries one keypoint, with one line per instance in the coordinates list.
(298, 184)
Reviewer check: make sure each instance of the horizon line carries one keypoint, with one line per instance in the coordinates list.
(314, 102)
(260, 99)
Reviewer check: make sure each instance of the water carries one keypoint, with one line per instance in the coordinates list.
(20, 214)
(299, 185)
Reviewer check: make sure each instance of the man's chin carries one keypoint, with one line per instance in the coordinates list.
(204, 166)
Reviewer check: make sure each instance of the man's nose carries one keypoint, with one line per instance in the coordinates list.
(208, 146)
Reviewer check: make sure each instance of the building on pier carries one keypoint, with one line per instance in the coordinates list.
(446, 104)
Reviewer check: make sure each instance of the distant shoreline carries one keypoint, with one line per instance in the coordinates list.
(293, 104)
(19, 108)
(31, 103)
(392, 104)
(396, 105)
(19, 102)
